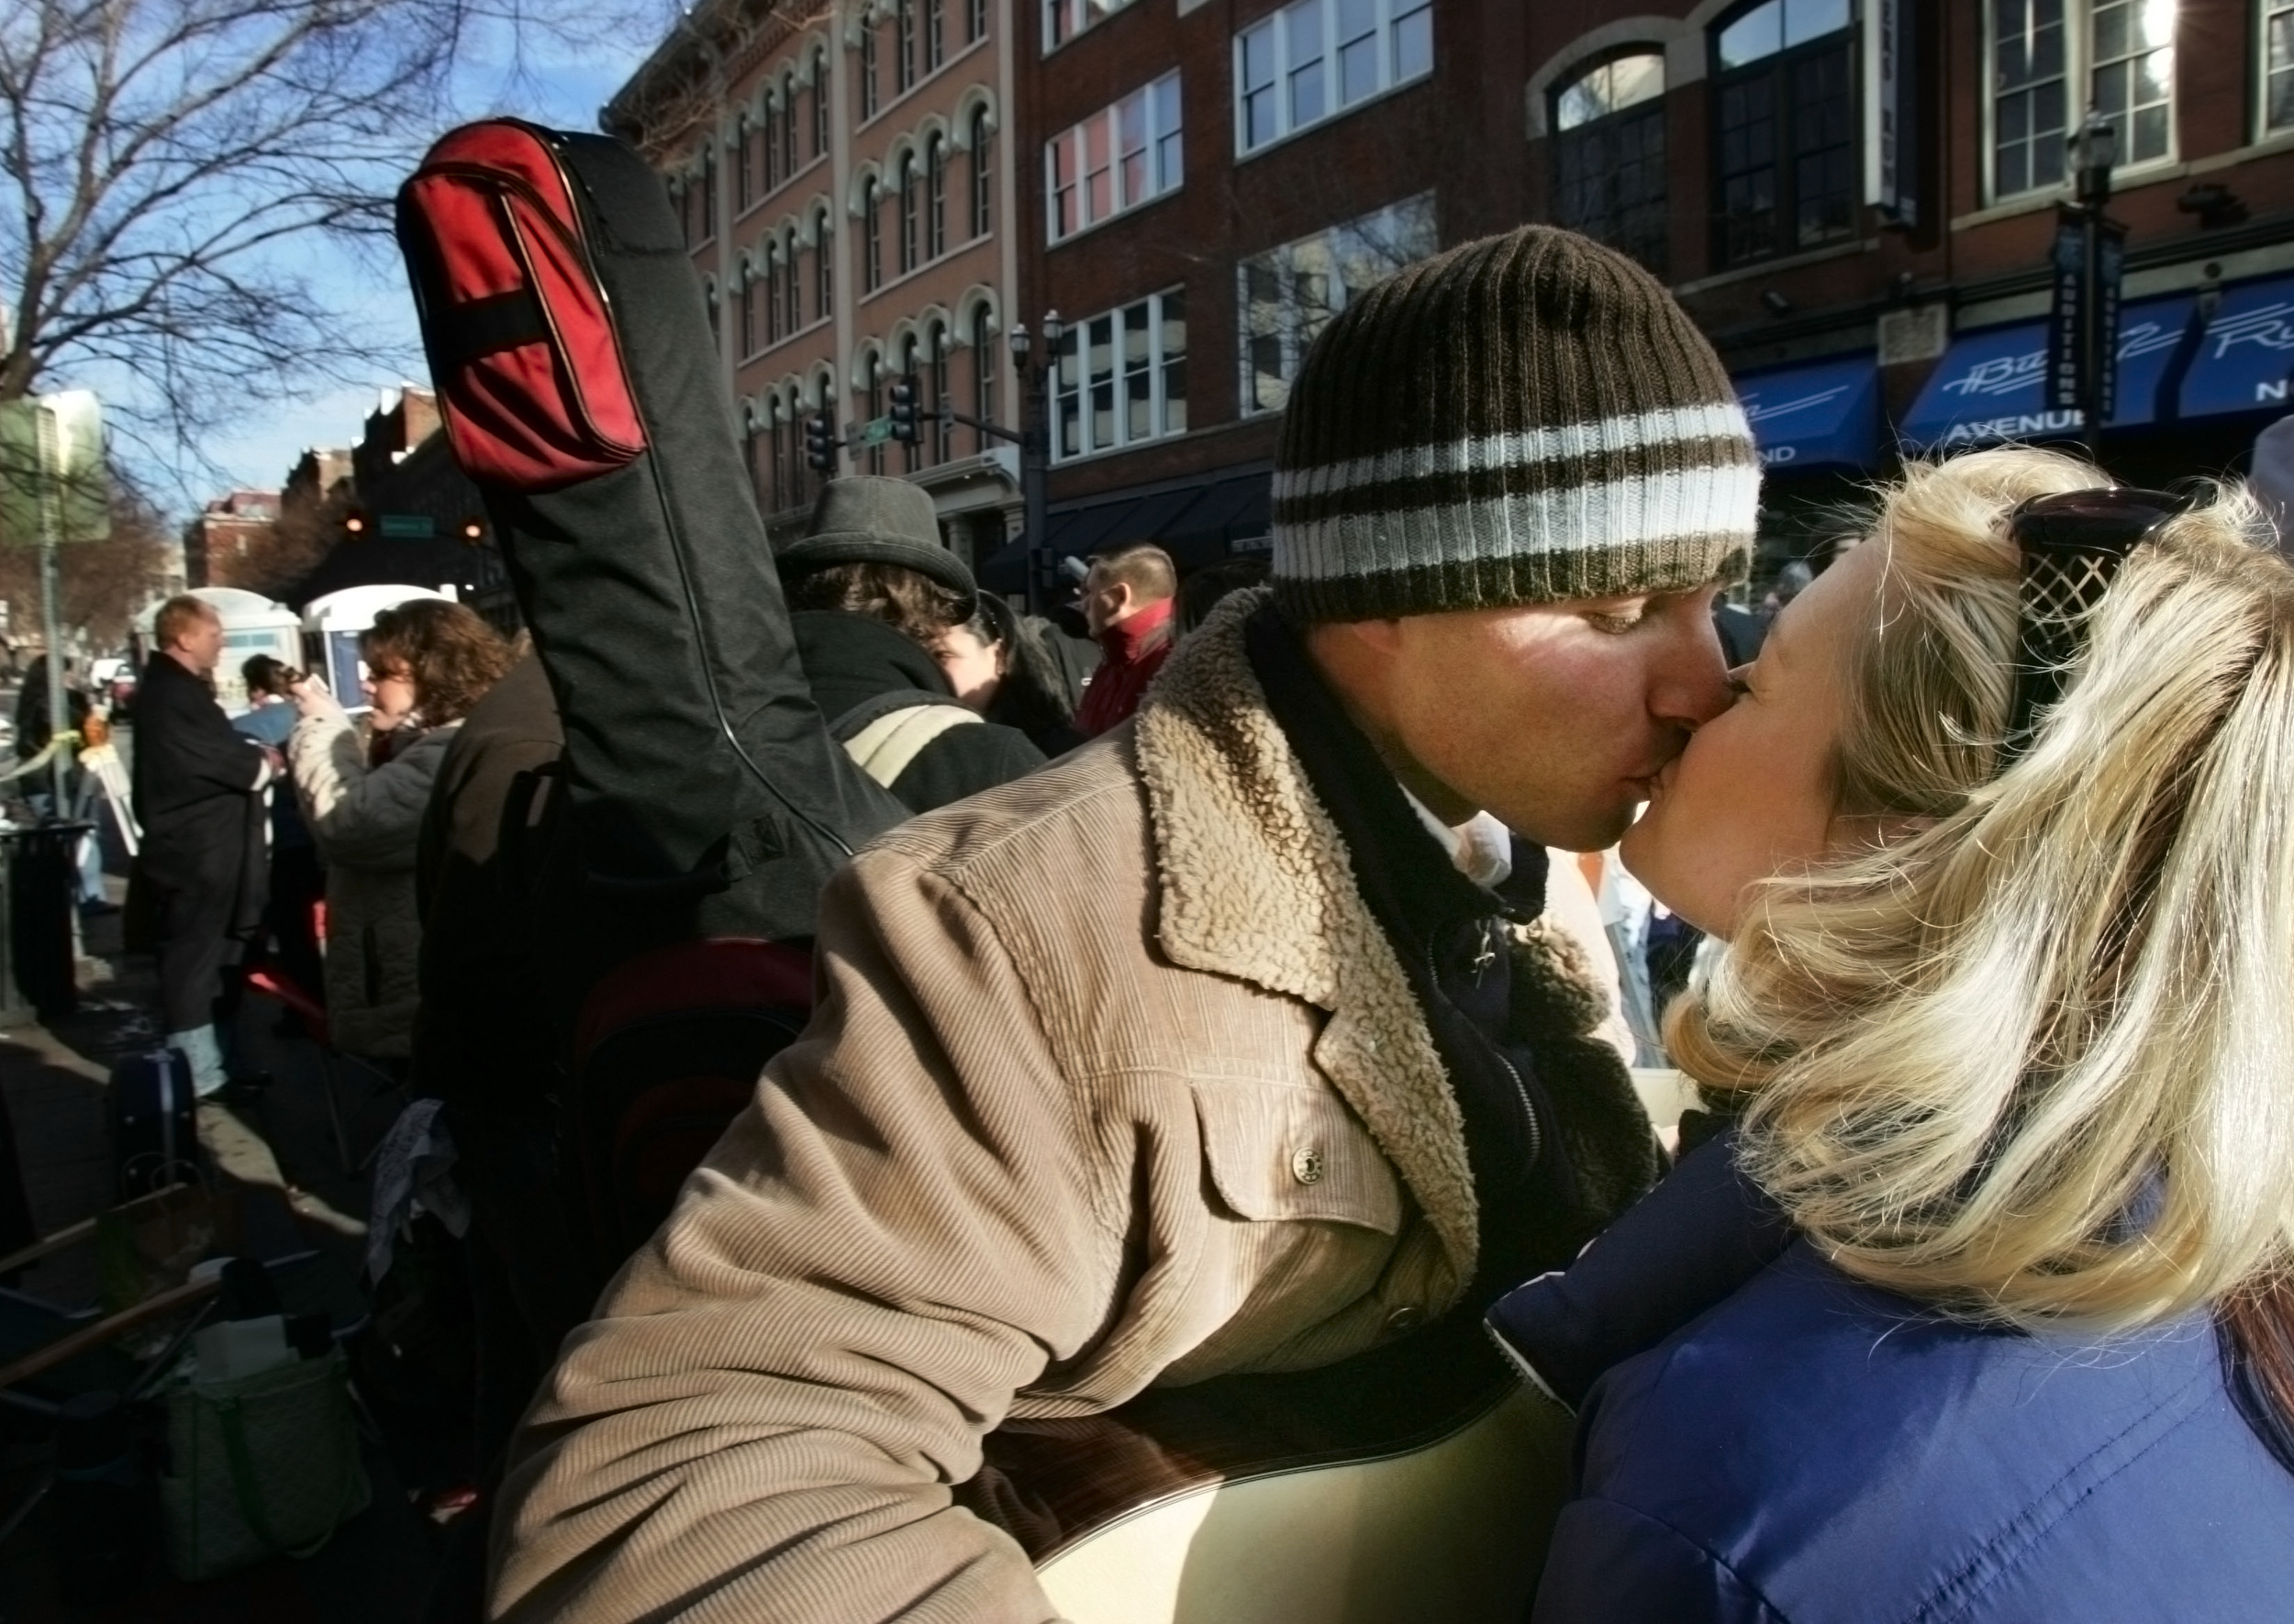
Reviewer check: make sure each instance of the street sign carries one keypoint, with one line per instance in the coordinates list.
(875, 431)
(54, 484)
(408, 526)
(2066, 319)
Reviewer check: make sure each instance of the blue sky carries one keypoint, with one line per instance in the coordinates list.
(562, 84)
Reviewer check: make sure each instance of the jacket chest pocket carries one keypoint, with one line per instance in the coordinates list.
(1282, 1151)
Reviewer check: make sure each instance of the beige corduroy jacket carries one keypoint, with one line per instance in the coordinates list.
(1039, 1148)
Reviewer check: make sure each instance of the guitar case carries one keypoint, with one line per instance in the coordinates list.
(578, 379)
(702, 803)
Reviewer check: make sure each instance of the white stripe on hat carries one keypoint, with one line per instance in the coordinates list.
(1667, 426)
(1662, 507)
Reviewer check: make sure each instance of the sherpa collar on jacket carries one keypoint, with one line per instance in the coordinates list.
(1258, 884)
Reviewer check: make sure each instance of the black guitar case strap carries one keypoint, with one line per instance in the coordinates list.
(577, 376)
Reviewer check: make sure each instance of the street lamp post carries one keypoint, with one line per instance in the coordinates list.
(1035, 441)
(1034, 438)
(2093, 151)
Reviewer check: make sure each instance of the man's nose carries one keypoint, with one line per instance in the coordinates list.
(1691, 686)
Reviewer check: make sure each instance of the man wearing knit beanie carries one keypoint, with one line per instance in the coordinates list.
(1233, 1042)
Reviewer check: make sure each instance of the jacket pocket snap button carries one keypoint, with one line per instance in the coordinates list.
(1306, 1164)
(1408, 1316)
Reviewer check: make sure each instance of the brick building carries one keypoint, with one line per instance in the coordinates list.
(845, 185)
(1856, 198)
(227, 531)
(1206, 184)
(1858, 201)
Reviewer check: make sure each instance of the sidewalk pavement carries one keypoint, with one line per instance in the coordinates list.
(280, 1182)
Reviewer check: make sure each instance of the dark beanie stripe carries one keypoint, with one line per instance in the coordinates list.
(1523, 418)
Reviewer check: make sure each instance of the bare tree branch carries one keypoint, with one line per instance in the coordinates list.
(160, 160)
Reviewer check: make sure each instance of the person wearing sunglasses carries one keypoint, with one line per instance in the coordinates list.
(1981, 1307)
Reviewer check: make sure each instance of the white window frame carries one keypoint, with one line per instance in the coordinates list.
(1159, 125)
(1072, 383)
(1289, 60)
(1064, 19)
(2078, 73)
(1374, 246)
(2264, 12)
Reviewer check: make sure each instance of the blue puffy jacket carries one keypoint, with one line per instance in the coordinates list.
(1762, 1438)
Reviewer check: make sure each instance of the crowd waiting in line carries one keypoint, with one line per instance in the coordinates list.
(1250, 1006)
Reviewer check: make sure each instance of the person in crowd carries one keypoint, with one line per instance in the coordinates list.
(298, 880)
(428, 662)
(1130, 599)
(80, 788)
(1001, 665)
(1232, 1041)
(1791, 581)
(198, 795)
(490, 1038)
(1983, 1309)
(872, 594)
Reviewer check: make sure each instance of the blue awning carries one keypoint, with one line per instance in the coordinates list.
(1989, 387)
(1826, 415)
(2245, 352)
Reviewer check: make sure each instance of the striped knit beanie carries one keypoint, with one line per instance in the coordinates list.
(1522, 420)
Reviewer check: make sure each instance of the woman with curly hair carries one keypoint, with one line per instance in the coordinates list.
(1981, 1311)
(428, 663)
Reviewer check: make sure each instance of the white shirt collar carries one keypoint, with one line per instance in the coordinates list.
(1481, 847)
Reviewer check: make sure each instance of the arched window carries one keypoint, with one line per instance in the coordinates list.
(974, 19)
(745, 176)
(868, 71)
(1609, 155)
(934, 389)
(788, 124)
(824, 394)
(823, 268)
(872, 235)
(909, 200)
(716, 336)
(773, 274)
(983, 171)
(792, 290)
(984, 362)
(913, 456)
(819, 102)
(773, 176)
(1784, 101)
(753, 430)
(904, 63)
(935, 196)
(935, 34)
(709, 191)
(749, 312)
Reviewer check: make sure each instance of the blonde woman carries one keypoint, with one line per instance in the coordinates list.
(1981, 1311)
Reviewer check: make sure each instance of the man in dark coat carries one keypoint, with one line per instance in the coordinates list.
(870, 590)
(198, 795)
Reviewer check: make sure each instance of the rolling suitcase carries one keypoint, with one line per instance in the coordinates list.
(155, 1140)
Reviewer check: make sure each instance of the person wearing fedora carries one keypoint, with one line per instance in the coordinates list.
(870, 594)
(1232, 1042)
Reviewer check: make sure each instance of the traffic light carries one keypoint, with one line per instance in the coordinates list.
(354, 523)
(821, 443)
(904, 410)
(473, 530)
